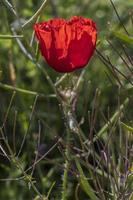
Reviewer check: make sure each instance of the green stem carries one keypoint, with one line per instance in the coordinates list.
(61, 79)
(9, 87)
(35, 16)
(50, 83)
(66, 168)
(10, 36)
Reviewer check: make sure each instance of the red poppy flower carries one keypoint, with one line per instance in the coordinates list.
(67, 45)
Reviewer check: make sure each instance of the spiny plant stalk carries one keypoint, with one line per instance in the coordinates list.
(66, 168)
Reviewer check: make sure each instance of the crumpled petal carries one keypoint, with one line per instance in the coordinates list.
(67, 45)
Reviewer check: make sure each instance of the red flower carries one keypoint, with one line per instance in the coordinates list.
(67, 45)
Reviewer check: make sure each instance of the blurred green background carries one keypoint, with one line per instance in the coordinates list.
(16, 69)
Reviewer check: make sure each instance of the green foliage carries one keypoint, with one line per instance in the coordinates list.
(87, 113)
(84, 183)
(124, 38)
(128, 128)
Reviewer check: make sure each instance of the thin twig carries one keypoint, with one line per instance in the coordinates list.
(5, 154)
(31, 115)
(107, 64)
(119, 17)
(42, 157)
(35, 16)
(38, 143)
(8, 110)
(9, 6)
(14, 132)
(115, 115)
(119, 54)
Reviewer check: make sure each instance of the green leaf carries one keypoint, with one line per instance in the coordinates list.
(84, 183)
(123, 37)
(128, 128)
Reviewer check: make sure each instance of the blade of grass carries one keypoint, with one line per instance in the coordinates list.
(84, 183)
(128, 128)
(50, 189)
(113, 118)
(123, 37)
